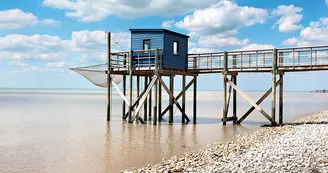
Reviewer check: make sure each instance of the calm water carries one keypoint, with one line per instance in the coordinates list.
(66, 131)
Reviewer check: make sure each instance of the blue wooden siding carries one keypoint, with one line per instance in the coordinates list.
(164, 41)
(175, 61)
(156, 41)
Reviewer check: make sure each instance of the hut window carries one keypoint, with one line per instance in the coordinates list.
(175, 48)
(146, 44)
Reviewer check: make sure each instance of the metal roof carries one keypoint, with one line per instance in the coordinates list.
(159, 30)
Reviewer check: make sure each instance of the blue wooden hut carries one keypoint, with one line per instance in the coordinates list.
(174, 47)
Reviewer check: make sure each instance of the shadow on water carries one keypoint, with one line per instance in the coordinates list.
(200, 120)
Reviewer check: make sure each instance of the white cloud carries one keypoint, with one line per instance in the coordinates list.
(51, 22)
(18, 63)
(257, 47)
(290, 18)
(168, 24)
(223, 17)
(96, 10)
(196, 50)
(326, 2)
(313, 35)
(290, 42)
(57, 64)
(15, 18)
(214, 41)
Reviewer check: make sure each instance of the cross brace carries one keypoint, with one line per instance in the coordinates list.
(174, 100)
(266, 94)
(244, 95)
(178, 97)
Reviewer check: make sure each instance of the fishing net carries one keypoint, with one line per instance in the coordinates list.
(97, 74)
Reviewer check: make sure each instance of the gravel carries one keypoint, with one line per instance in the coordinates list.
(301, 146)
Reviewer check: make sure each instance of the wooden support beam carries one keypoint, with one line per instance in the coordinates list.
(234, 104)
(281, 99)
(145, 104)
(178, 97)
(274, 76)
(130, 85)
(224, 75)
(195, 101)
(155, 87)
(138, 87)
(171, 99)
(149, 103)
(143, 98)
(159, 101)
(124, 93)
(265, 95)
(229, 96)
(183, 96)
(244, 95)
(108, 76)
(174, 100)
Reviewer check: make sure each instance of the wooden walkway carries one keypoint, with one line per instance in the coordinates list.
(229, 64)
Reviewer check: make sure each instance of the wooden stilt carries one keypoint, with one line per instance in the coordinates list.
(224, 74)
(149, 105)
(109, 79)
(124, 89)
(234, 104)
(171, 100)
(281, 99)
(183, 97)
(124, 93)
(274, 75)
(159, 101)
(145, 104)
(195, 101)
(138, 87)
(130, 85)
(155, 88)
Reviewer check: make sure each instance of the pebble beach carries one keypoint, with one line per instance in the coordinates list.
(301, 146)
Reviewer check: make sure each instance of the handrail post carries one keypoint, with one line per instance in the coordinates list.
(274, 73)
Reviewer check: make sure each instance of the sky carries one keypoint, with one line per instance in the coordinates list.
(41, 39)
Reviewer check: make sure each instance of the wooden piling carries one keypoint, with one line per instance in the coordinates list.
(145, 104)
(224, 73)
(274, 75)
(150, 105)
(155, 87)
(195, 101)
(109, 79)
(171, 100)
(138, 88)
(130, 85)
(124, 89)
(281, 99)
(159, 101)
(234, 103)
(183, 97)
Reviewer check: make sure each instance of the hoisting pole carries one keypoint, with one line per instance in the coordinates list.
(109, 80)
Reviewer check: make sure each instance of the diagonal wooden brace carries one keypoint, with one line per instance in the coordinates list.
(258, 102)
(178, 97)
(257, 107)
(174, 100)
(142, 100)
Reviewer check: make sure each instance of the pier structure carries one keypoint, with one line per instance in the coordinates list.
(153, 64)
